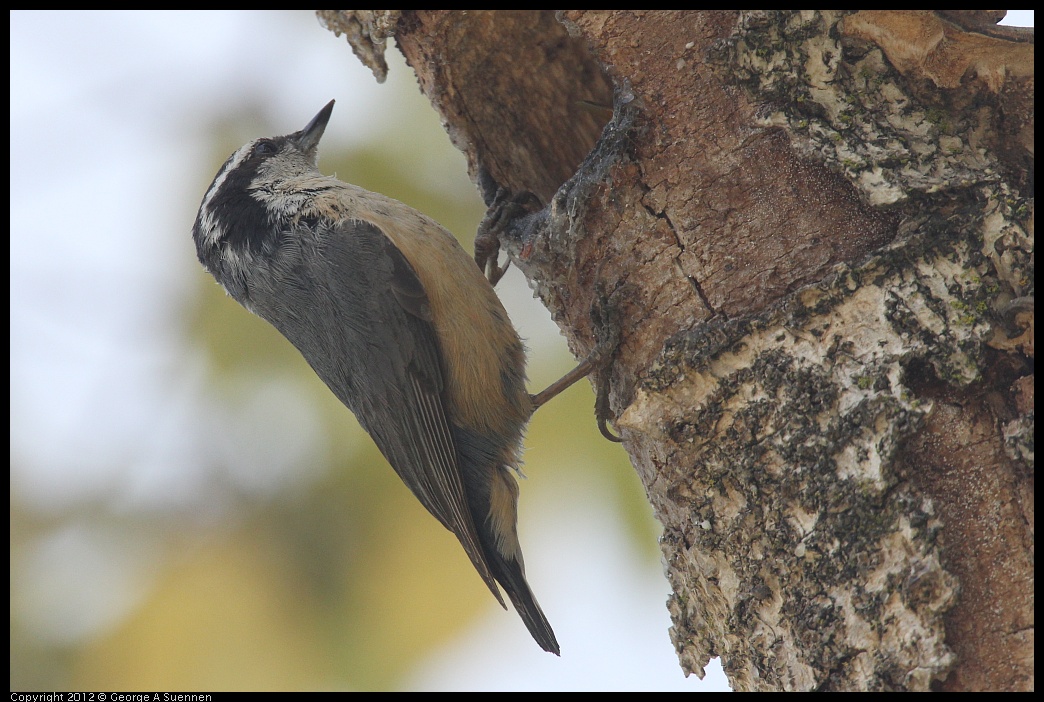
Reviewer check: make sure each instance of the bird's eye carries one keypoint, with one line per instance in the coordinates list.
(265, 148)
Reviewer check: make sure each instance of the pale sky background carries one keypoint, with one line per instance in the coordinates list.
(111, 148)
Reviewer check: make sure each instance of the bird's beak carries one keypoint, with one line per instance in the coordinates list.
(307, 139)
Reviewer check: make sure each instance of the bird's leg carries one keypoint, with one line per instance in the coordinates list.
(596, 362)
(583, 370)
(502, 213)
(508, 214)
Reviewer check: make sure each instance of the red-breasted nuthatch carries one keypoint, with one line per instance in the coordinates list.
(399, 322)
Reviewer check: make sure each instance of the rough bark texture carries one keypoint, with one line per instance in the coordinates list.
(814, 233)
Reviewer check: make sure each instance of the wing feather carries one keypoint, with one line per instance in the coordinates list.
(373, 342)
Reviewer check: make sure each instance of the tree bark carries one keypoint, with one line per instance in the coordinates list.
(813, 232)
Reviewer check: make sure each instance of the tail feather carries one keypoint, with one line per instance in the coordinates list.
(493, 497)
(513, 579)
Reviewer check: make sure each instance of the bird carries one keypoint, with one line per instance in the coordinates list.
(400, 324)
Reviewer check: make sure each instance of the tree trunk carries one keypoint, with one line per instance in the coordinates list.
(813, 232)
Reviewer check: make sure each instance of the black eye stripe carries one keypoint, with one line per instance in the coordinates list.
(239, 221)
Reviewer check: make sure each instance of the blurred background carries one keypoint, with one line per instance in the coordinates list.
(191, 509)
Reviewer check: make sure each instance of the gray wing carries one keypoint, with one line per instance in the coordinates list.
(370, 337)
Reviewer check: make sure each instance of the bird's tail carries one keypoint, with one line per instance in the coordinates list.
(512, 578)
(493, 496)
(504, 555)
